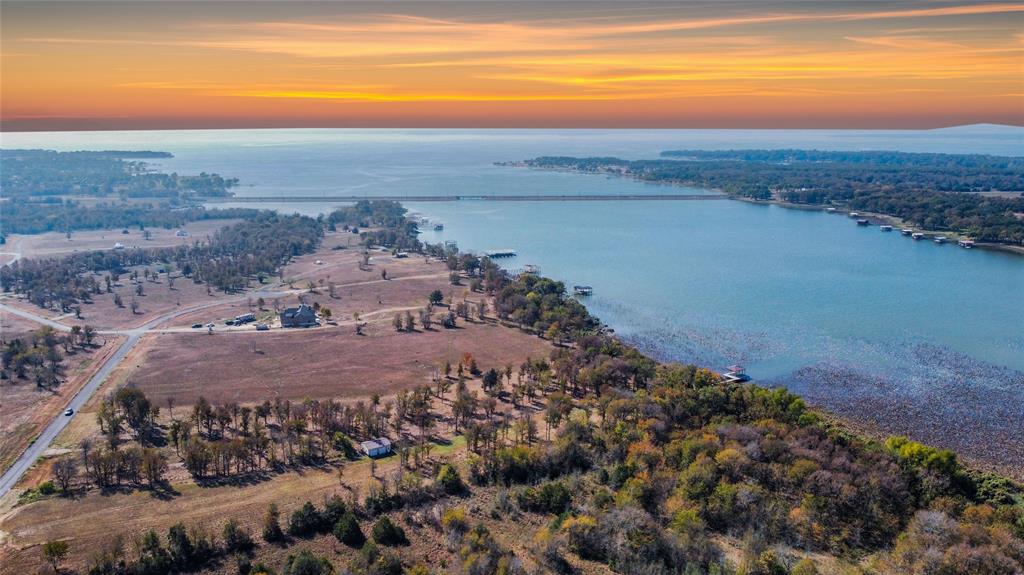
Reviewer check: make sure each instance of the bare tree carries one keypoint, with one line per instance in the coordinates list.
(65, 471)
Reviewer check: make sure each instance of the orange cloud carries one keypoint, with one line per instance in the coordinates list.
(574, 64)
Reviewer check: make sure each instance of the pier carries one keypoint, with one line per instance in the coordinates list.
(476, 198)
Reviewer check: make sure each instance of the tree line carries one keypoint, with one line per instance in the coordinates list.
(391, 227)
(229, 261)
(32, 173)
(934, 191)
(67, 215)
(38, 357)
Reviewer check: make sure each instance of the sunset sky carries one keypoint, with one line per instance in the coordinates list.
(121, 65)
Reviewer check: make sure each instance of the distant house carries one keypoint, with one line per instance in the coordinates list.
(376, 447)
(302, 316)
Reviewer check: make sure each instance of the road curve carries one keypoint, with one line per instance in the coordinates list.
(13, 474)
(34, 451)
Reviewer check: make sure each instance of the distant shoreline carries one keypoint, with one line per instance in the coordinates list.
(891, 220)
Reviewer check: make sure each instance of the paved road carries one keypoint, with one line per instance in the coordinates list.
(28, 458)
(13, 474)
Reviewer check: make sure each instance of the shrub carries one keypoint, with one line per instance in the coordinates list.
(581, 535)
(272, 525)
(47, 488)
(343, 444)
(373, 561)
(305, 563)
(436, 297)
(236, 539)
(333, 511)
(261, 568)
(347, 531)
(804, 567)
(386, 532)
(305, 521)
(449, 480)
(552, 497)
(454, 519)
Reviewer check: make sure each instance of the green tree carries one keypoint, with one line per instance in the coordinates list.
(272, 525)
(347, 530)
(436, 297)
(54, 552)
(386, 532)
(449, 480)
(305, 521)
(306, 563)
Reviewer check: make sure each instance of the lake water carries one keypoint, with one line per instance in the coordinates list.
(915, 337)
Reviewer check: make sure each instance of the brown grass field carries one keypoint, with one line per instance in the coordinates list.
(12, 326)
(330, 361)
(53, 244)
(317, 363)
(158, 298)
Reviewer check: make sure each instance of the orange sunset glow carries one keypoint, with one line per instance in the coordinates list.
(116, 65)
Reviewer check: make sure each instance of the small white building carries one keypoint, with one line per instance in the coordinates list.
(376, 447)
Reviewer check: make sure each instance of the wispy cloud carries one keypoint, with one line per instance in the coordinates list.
(837, 55)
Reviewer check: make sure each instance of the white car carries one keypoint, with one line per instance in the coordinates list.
(69, 412)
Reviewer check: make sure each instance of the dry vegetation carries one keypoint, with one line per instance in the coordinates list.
(581, 458)
(25, 408)
(54, 244)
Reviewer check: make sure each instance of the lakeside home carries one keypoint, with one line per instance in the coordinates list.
(377, 447)
(302, 316)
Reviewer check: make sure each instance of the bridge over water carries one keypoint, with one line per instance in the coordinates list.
(495, 198)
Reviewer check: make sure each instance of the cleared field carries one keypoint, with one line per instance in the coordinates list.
(12, 326)
(247, 366)
(365, 291)
(341, 265)
(53, 244)
(158, 297)
(320, 363)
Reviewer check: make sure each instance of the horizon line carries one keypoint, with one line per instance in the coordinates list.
(3, 130)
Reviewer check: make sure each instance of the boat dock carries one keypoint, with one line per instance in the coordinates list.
(502, 253)
(735, 374)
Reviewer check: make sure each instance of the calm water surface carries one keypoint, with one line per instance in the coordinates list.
(780, 290)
